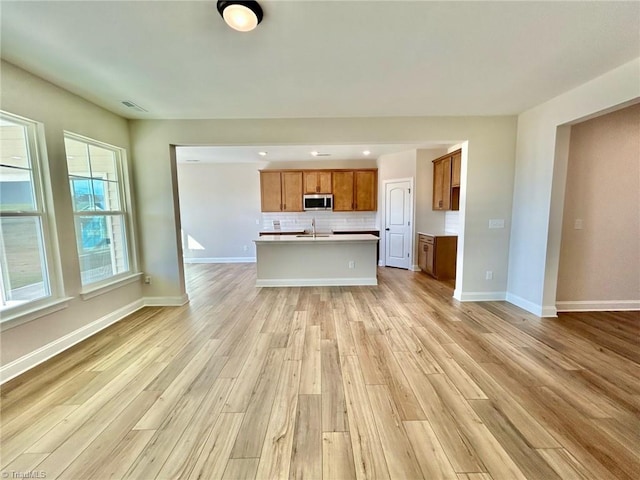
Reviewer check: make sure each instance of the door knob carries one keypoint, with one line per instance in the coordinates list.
(387, 229)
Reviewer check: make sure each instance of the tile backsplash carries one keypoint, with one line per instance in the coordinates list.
(325, 221)
(452, 222)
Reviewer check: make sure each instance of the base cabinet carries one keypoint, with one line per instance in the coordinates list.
(437, 255)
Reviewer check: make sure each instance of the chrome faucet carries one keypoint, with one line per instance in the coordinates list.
(313, 226)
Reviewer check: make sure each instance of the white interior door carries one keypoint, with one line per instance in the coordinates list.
(398, 212)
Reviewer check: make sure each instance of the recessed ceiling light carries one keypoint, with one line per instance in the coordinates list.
(20, 158)
(193, 160)
(262, 154)
(366, 152)
(314, 153)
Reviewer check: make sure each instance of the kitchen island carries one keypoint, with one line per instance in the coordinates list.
(323, 260)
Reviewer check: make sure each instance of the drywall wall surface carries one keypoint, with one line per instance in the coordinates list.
(540, 178)
(427, 220)
(491, 150)
(220, 210)
(600, 248)
(58, 110)
(396, 166)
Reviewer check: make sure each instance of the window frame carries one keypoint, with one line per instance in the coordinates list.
(125, 210)
(44, 212)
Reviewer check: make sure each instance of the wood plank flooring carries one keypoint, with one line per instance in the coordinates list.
(397, 381)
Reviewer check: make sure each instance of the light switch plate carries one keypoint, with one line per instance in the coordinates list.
(496, 223)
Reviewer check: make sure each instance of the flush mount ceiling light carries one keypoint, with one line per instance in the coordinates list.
(241, 15)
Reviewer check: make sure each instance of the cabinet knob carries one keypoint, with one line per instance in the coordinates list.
(387, 229)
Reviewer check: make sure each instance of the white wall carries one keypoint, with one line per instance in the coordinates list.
(541, 162)
(395, 166)
(600, 261)
(427, 219)
(489, 188)
(31, 97)
(220, 210)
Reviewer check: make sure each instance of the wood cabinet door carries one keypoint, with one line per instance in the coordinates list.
(310, 182)
(317, 181)
(422, 255)
(366, 190)
(270, 191)
(456, 161)
(324, 182)
(342, 184)
(442, 184)
(430, 258)
(291, 191)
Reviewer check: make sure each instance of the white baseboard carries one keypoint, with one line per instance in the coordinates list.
(221, 260)
(479, 296)
(316, 282)
(166, 301)
(598, 306)
(539, 310)
(415, 268)
(27, 362)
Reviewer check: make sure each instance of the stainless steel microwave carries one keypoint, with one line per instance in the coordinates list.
(318, 202)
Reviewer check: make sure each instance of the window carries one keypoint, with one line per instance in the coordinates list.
(97, 183)
(25, 259)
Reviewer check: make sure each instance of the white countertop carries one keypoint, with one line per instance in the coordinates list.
(438, 234)
(320, 238)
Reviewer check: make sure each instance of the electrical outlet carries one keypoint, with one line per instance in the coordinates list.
(578, 224)
(147, 280)
(489, 275)
(352, 264)
(245, 248)
(496, 223)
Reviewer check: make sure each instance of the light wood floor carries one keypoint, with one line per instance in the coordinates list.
(397, 381)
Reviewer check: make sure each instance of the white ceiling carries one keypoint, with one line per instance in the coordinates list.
(177, 59)
(298, 153)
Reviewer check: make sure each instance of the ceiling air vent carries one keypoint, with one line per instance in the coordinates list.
(133, 106)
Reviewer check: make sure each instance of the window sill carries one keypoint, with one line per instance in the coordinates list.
(95, 291)
(13, 319)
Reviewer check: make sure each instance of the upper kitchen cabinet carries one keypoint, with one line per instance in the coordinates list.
(316, 181)
(281, 191)
(343, 199)
(446, 182)
(355, 190)
(456, 160)
(366, 190)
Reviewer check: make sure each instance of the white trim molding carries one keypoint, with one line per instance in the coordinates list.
(539, 310)
(32, 359)
(316, 282)
(166, 301)
(221, 260)
(479, 296)
(598, 306)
